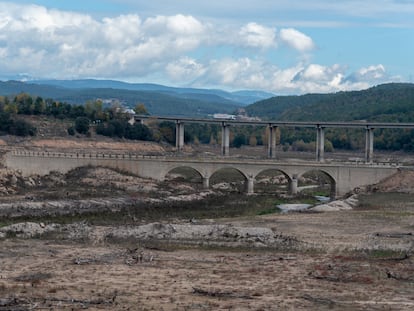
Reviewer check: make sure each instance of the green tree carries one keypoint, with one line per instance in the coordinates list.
(94, 110)
(138, 132)
(82, 125)
(5, 122)
(118, 127)
(252, 140)
(11, 107)
(167, 130)
(39, 106)
(71, 131)
(24, 103)
(77, 111)
(141, 109)
(22, 128)
(239, 140)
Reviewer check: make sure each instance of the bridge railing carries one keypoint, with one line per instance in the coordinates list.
(98, 155)
(133, 156)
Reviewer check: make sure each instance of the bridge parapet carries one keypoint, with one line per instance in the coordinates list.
(187, 159)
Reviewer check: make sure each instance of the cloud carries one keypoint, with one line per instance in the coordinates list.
(185, 70)
(177, 49)
(373, 72)
(323, 74)
(249, 73)
(258, 36)
(296, 39)
(60, 44)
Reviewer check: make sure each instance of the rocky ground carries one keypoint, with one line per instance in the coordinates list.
(99, 239)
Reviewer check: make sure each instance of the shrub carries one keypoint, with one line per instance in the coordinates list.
(239, 140)
(71, 131)
(22, 128)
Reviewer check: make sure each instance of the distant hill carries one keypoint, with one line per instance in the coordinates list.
(392, 102)
(159, 99)
(239, 97)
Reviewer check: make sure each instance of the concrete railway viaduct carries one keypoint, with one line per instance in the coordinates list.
(343, 176)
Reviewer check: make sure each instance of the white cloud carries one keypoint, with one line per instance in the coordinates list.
(61, 44)
(316, 72)
(374, 74)
(296, 39)
(122, 30)
(180, 49)
(258, 36)
(318, 78)
(246, 73)
(237, 73)
(185, 70)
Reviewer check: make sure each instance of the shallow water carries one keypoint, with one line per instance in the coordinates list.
(322, 198)
(286, 208)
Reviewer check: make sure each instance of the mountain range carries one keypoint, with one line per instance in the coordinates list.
(393, 102)
(159, 99)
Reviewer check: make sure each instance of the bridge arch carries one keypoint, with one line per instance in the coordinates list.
(183, 173)
(272, 180)
(319, 180)
(229, 178)
(186, 173)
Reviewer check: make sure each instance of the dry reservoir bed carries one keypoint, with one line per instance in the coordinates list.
(350, 260)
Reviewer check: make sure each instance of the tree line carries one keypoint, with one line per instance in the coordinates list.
(112, 121)
(109, 120)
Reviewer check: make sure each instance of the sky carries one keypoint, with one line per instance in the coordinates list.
(278, 46)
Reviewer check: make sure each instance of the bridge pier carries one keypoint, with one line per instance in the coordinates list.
(294, 185)
(271, 149)
(320, 144)
(225, 139)
(250, 185)
(369, 145)
(179, 135)
(206, 183)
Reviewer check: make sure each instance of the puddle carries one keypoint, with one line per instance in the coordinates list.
(297, 207)
(286, 208)
(322, 198)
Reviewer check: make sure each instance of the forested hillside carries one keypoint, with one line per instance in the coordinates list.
(158, 102)
(392, 102)
(388, 102)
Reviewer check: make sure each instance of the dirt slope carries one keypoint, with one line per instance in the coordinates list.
(403, 181)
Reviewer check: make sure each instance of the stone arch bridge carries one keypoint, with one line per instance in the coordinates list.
(344, 176)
